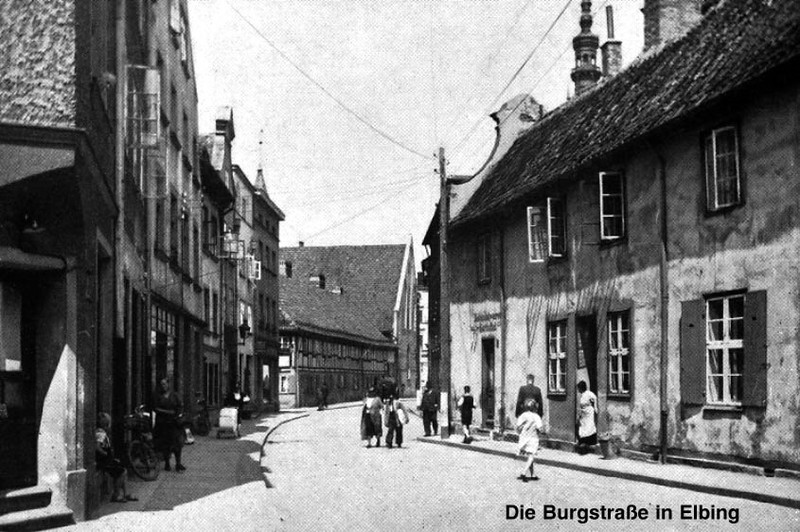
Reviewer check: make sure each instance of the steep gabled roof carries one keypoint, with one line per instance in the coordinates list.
(369, 276)
(736, 43)
(305, 306)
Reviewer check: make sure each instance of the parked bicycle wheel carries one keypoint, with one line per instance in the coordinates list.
(143, 460)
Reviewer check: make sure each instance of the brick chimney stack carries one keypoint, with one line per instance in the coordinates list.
(586, 72)
(668, 20)
(611, 50)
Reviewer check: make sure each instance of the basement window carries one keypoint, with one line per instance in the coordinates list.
(723, 186)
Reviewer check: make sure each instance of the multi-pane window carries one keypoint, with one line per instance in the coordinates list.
(723, 187)
(724, 349)
(484, 262)
(619, 353)
(546, 230)
(612, 206)
(557, 356)
(556, 231)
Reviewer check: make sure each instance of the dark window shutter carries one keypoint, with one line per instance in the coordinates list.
(755, 349)
(693, 352)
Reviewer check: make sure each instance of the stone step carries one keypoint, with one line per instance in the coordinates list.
(37, 519)
(16, 500)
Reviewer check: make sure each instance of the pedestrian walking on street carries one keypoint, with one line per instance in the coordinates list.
(371, 425)
(529, 423)
(395, 416)
(430, 408)
(466, 403)
(324, 396)
(528, 391)
(168, 434)
(107, 462)
(587, 415)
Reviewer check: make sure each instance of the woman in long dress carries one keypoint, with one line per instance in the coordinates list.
(587, 413)
(371, 424)
(167, 433)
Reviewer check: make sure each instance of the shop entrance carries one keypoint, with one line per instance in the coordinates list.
(18, 412)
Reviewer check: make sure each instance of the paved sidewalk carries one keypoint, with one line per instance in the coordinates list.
(780, 491)
(212, 466)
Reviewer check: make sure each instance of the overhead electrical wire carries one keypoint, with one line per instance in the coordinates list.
(514, 77)
(491, 58)
(364, 211)
(330, 95)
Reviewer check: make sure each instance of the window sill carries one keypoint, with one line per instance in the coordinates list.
(557, 394)
(618, 397)
(722, 211)
(722, 408)
(612, 242)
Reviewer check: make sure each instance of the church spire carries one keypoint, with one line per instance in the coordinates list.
(261, 184)
(586, 72)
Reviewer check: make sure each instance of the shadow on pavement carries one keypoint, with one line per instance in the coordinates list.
(212, 465)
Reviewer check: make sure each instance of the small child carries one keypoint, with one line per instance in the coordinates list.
(529, 424)
(466, 404)
(104, 457)
(395, 417)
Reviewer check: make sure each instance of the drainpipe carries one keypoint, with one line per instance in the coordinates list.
(119, 156)
(503, 328)
(664, 289)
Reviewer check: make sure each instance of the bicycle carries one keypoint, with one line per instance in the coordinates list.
(141, 455)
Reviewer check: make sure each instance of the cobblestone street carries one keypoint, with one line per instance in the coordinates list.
(319, 476)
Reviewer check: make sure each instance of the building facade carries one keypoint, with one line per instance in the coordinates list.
(377, 284)
(648, 248)
(266, 248)
(325, 342)
(57, 198)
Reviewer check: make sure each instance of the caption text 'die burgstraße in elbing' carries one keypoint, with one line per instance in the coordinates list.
(686, 512)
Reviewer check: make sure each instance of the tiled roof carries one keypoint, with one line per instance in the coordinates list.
(368, 275)
(307, 306)
(736, 43)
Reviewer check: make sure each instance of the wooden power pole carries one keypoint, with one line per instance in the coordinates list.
(444, 297)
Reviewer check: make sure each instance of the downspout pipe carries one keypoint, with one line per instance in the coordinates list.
(503, 329)
(661, 171)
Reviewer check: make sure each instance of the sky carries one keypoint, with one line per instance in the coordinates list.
(352, 99)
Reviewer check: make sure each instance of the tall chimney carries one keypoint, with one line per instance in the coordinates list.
(668, 20)
(586, 72)
(611, 50)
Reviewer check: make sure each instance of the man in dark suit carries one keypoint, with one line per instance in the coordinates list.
(529, 391)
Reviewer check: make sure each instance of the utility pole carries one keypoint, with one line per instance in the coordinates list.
(444, 296)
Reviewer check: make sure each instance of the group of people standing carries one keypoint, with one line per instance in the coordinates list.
(378, 413)
(529, 422)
